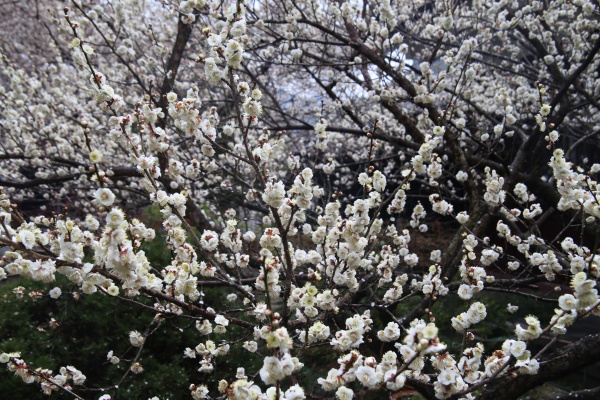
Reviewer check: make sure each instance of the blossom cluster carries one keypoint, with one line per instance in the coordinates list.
(339, 171)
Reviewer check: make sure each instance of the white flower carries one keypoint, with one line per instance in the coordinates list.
(233, 53)
(567, 302)
(462, 217)
(114, 218)
(274, 194)
(27, 238)
(447, 22)
(271, 371)
(104, 197)
(209, 240)
(447, 376)
(367, 376)
(55, 293)
(256, 94)
(364, 179)
(515, 347)
(136, 339)
(530, 367)
(252, 107)
(171, 97)
(379, 181)
(96, 156)
(396, 383)
(136, 368)
(199, 392)
(430, 331)
(462, 176)
(533, 330)
(238, 28)
(294, 393)
(231, 297)
(465, 292)
(213, 73)
(251, 346)
(112, 358)
(221, 320)
(390, 333)
(113, 290)
(545, 109)
(343, 393)
(249, 236)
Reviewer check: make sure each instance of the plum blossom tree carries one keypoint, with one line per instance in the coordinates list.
(301, 154)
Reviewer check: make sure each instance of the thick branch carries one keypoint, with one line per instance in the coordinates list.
(568, 359)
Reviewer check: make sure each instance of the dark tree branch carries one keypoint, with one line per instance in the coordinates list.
(568, 359)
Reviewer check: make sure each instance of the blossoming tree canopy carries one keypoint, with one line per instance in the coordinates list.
(342, 170)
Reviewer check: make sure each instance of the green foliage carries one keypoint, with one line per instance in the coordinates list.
(87, 328)
(90, 326)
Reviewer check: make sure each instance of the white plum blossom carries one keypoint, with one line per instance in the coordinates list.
(274, 194)
(104, 197)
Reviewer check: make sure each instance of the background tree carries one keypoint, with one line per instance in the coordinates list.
(303, 156)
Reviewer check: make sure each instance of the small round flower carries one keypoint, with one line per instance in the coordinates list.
(545, 109)
(172, 97)
(379, 181)
(462, 176)
(27, 238)
(274, 194)
(243, 88)
(252, 107)
(87, 49)
(112, 358)
(462, 217)
(295, 393)
(55, 293)
(96, 156)
(249, 236)
(363, 179)
(447, 376)
(465, 291)
(104, 197)
(113, 290)
(553, 136)
(430, 331)
(233, 53)
(220, 329)
(578, 280)
(136, 368)
(114, 218)
(231, 297)
(390, 333)
(256, 94)
(567, 302)
(344, 393)
(439, 130)
(136, 339)
(251, 346)
(367, 376)
(238, 28)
